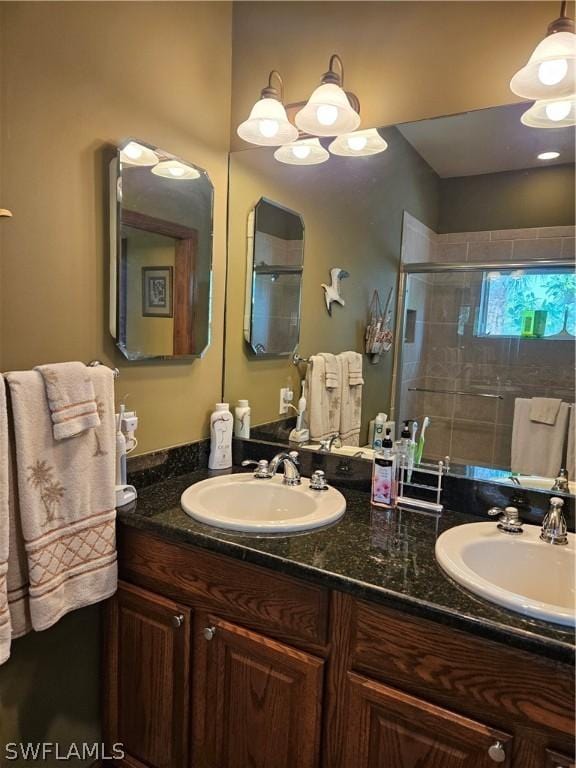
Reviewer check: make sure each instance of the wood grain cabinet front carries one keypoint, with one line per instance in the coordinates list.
(390, 729)
(556, 760)
(257, 701)
(147, 657)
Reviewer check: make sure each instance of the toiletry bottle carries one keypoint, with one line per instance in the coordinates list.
(120, 451)
(402, 445)
(242, 419)
(221, 426)
(378, 438)
(384, 475)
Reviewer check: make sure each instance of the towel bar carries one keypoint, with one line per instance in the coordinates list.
(96, 363)
(455, 392)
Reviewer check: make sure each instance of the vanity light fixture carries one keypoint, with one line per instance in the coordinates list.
(174, 169)
(554, 113)
(303, 152)
(268, 124)
(358, 144)
(137, 154)
(550, 70)
(548, 155)
(329, 111)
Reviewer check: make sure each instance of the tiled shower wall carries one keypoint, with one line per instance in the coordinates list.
(445, 354)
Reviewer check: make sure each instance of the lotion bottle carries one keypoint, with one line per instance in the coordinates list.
(378, 436)
(221, 427)
(384, 475)
(242, 419)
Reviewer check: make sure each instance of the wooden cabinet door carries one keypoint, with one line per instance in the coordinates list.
(556, 760)
(390, 729)
(256, 701)
(147, 658)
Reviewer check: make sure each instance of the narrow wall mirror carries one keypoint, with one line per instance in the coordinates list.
(160, 254)
(275, 259)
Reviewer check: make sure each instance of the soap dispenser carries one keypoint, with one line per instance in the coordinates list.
(221, 427)
(384, 485)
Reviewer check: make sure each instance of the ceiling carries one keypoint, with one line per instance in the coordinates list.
(486, 141)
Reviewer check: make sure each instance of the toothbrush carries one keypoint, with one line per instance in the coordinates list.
(412, 452)
(422, 440)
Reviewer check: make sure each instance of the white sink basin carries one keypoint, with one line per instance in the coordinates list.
(242, 503)
(521, 572)
(540, 483)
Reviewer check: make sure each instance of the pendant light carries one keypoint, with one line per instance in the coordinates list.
(268, 124)
(303, 152)
(551, 69)
(174, 169)
(551, 113)
(134, 153)
(328, 111)
(358, 144)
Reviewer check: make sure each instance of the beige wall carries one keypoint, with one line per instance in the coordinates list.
(352, 213)
(405, 60)
(76, 78)
(79, 77)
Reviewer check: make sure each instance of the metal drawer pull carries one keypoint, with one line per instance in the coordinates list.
(177, 621)
(496, 752)
(209, 632)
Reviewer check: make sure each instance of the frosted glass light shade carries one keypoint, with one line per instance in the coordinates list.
(137, 154)
(358, 144)
(173, 169)
(551, 113)
(268, 125)
(328, 112)
(303, 152)
(551, 70)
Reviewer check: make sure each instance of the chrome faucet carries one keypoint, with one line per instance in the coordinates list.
(291, 471)
(328, 442)
(508, 520)
(561, 483)
(554, 528)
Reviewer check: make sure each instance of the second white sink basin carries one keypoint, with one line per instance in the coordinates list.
(521, 572)
(240, 502)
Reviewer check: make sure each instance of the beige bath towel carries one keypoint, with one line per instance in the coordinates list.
(5, 626)
(537, 448)
(352, 384)
(544, 410)
(331, 370)
(323, 403)
(66, 500)
(71, 398)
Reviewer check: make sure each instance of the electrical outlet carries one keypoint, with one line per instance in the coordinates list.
(286, 397)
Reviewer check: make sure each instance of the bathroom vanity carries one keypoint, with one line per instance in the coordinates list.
(346, 647)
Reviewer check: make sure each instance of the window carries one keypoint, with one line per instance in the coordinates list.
(530, 303)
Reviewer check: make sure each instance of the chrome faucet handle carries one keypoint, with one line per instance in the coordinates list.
(508, 520)
(561, 483)
(295, 457)
(318, 481)
(262, 469)
(554, 528)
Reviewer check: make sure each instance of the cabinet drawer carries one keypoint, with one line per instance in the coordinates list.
(463, 671)
(258, 597)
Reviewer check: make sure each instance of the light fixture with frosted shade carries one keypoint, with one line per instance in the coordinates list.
(328, 111)
(551, 69)
(554, 113)
(268, 124)
(358, 144)
(303, 152)
(174, 169)
(134, 153)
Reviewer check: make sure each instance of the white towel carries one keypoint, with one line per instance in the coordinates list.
(71, 398)
(571, 450)
(5, 625)
(544, 410)
(323, 404)
(66, 500)
(537, 448)
(352, 384)
(331, 370)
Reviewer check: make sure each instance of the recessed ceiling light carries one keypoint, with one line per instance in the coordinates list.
(548, 155)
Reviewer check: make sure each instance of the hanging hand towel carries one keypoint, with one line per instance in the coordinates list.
(350, 364)
(71, 398)
(544, 410)
(537, 448)
(331, 370)
(66, 500)
(323, 403)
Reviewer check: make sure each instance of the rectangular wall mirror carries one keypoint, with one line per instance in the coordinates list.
(470, 223)
(161, 253)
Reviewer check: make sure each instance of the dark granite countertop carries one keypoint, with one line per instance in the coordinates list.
(378, 555)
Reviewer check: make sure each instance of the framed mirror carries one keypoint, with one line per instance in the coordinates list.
(275, 262)
(160, 253)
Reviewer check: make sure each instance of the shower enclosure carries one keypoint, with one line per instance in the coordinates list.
(474, 337)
